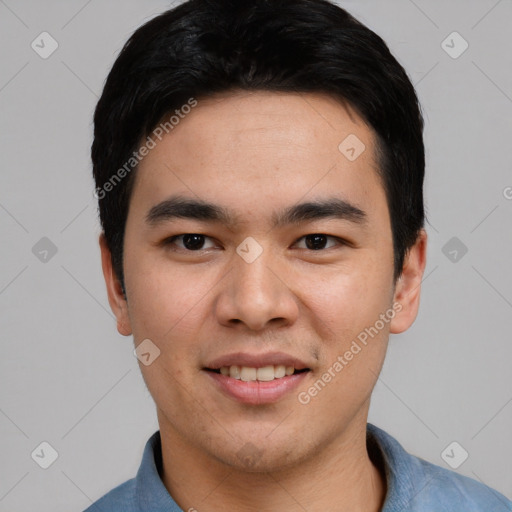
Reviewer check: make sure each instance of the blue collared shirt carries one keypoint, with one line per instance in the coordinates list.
(413, 484)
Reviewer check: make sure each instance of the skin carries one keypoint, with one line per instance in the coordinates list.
(256, 153)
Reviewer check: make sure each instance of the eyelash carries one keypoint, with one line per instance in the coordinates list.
(170, 241)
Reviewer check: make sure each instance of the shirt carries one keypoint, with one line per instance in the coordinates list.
(413, 484)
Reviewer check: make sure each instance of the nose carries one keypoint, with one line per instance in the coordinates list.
(256, 295)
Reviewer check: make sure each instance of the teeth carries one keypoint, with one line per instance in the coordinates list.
(279, 371)
(234, 372)
(247, 374)
(264, 374)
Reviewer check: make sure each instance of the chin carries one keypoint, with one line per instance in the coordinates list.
(265, 464)
(260, 457)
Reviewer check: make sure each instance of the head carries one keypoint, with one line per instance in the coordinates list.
(284, 142)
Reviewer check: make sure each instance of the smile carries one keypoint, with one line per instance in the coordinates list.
(256, 386)
(263, 374)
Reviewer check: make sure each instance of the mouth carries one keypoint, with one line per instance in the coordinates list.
(262, 374)
(257, 379)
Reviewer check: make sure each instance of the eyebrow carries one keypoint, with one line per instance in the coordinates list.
(188, 208)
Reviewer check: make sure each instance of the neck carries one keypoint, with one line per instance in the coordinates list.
(340, 477)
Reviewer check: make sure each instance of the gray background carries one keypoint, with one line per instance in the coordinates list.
(69, 379)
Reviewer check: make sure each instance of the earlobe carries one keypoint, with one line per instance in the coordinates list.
(408, 285)
(115, 293)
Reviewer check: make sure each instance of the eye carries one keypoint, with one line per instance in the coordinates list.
(189, 241)
(318, 241)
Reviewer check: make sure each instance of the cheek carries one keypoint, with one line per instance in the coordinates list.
(346, 300)
(164, 306)
(165, 300)
(354, 342)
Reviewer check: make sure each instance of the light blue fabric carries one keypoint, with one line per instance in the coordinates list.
(413, 484)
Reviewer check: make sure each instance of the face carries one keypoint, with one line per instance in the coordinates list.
(258, 255)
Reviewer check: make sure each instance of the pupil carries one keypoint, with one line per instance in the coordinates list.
(193, 241)
(315, 242)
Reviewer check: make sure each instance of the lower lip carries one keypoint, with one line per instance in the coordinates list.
(257, 392)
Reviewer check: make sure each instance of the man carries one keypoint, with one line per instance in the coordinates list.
(259, 170)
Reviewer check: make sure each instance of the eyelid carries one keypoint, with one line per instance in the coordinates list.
(169, 241)
(340, 241)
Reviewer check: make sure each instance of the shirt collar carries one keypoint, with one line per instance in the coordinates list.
(405, 477)
(149, 489)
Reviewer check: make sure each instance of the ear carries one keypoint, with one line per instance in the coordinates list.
(115, 293)
(408, 285)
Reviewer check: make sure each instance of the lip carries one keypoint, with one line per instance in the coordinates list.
(256, 360)
(256, 392)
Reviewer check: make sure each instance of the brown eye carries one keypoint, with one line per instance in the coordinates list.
(318, 241)
(189, 241)
(193, 242)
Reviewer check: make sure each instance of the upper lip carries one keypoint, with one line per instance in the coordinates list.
(256, 360)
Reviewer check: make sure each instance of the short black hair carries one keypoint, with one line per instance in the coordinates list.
(203, 47)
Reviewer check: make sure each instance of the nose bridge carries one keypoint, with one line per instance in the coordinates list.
(255, 295)
(254, 277)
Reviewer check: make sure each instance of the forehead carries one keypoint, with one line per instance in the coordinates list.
(287, 124)
(250, 148)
